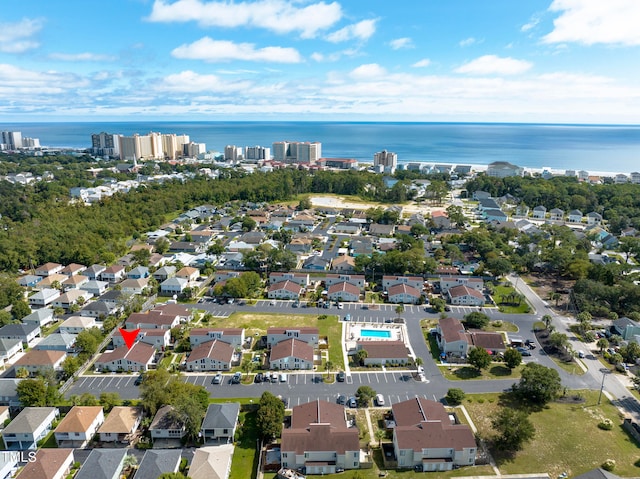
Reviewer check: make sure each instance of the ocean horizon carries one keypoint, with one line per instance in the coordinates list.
(597, 148)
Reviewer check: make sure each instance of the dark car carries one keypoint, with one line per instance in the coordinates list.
(341, 376)
(236, 378)
(342, 400)
(523, 351)
(138, 380)
(259, 378)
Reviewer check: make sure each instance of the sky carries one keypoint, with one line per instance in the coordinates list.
(537, 61)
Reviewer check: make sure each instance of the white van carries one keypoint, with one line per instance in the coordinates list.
(581, 354)
(283, 377)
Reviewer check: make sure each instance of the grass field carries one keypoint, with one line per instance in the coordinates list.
(256, 324)
(501, 292)
(244, 464)
(567, 437)
(495, 371)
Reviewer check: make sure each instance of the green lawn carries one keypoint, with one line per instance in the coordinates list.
(567, 437)
(244, 464)
(495, 371)
(256, 324)
(498, 325)
(501, 294)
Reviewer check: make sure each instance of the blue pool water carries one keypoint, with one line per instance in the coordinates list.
(375, 333)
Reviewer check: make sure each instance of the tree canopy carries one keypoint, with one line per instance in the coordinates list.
(538, 384)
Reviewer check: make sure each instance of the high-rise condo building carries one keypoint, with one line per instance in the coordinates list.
(297, 152)
(385, 159)
(257, 153)
(105, 144)
(11, 140)
(232, 153)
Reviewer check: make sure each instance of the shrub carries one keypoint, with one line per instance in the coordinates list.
(454, 396)
(606, 424)
(609, 465)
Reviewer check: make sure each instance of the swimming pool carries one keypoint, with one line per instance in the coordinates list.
(375, 333)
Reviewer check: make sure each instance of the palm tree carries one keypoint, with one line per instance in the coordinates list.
(419, 362)
(547, 320)
(361, 356)
(380, 435)
(399, 309)
(130, 461)
(328, 367)
(602, 344)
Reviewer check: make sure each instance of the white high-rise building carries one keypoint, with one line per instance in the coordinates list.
(30, 143)
(257, 153)
(193, 149)
(386, 159)
(297, 152)
(11, 140)
(232, 153)
(105, 144)
(309, 152)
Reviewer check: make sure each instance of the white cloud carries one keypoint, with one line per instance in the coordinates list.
(189, 81)
(399, 43)
(492, 64)
(592, 22)
(15, 81)
(362, 30)
(467, 42)
(81, 57)
(425, 62)
(16, 37)
(531, 24)
(211, 50)
(369, 71)
(276, 15)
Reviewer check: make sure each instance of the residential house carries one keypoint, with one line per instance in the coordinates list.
(285, 290)
(575, 216)
(381, 230)
(53, 281)
(488, 204)
(189, 273)
(29, 281)
(40, 317)
(24, 332)
(78, 427)
(465, 295)
(173, 286)
(211, 462)
(99, 309)
(320, 439)
(300, 278)
(494, 215)
(426, 438)
(77, 324)
(156, 463)
(48, 269)
(627, 328)
(361, 246)
(94, 271)
(70, 298)
(9, 348)
(300, 245)
(113, 274)
(139, 272)
(167, 425)
(594, 218)
(223, 276)
(219, 423)
(502, 169)
(344, 264)
(29, 427)
(164, 273)
(291, 354)
(343, 291)
(452, 338)
(120, 425)
(447, 282)
(308, 334)
(183, 313)
(492, 342)
(210, 356)
(103, 464)
(43, 298)
(138, 358)
(95, 287)
(440, 219)
(134, 286)
(481, 195)
(158, 338)
(38, 360)
(232, 336)
(357, 280)
(316, 263)
(416, 282)
(539, 212)
(556, 214)
(8, 392)
(58, 342)
(73, 269)
(48, 464)
(154, 319)
(404, 294)
(381, 353)
(186, 247)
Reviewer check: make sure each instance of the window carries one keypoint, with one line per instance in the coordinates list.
(402, 451)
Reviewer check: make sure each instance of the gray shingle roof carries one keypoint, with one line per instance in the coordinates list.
(155, 463)
(29, 419)
(221, 416)
(102, 464)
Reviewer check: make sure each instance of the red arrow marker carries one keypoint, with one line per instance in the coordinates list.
(129, 336)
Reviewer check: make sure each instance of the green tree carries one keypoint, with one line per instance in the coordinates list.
(364, 395)
(32, 392)
(86, 399)
(142, 256)
(476, 320)
(10, 291)
(437, 304)
(547, 320)
(162, 246)
(512, 358)
(172, 475)
(328, 366)
(558, 340)
(87, 341)
(22, 372)
(5, 318)
(20, 309)
(514, 429)
(602, 343)
(455, 396)
(361, 355)
(479, 358)
(270, 416)
(110, 400)
(247, 366)
(538, 384)
(70, 365)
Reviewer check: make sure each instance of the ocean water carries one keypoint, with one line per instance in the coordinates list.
(580, 147)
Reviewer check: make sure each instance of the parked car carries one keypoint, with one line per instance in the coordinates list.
(341, 377)
(523, 351)
(342, 400)
(274, 377)
(236, 378)
(352, 402)
(581, 354)
(379, 399)
(347, 317)
(138, 380)
(272, 302)
(217, 379)
(259, 378)
(340, 306)
(283, 377)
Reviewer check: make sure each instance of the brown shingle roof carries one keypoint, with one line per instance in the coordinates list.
(404, 289)
(38, 357)
(487, 340)
(344, 286)
(292, 348)
(79, 418)
(287, 285)
(384, 349)
(139, 353)
(452, 330)
(216, 350)
(463, 290)
(47, 464)
(121, 420)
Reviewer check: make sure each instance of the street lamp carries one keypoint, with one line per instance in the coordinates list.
(604, 372)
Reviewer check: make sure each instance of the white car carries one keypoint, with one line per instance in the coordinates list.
(379, 399)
